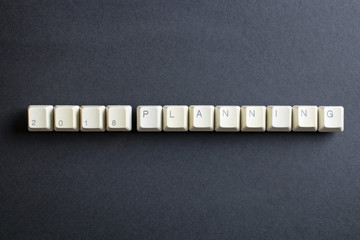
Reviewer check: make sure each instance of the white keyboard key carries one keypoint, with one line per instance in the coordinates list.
(227, 118)
(253, 118)
(331, 119)
(201, 118)
(175, 118)
(305, 118)
(149, 118)
(40, 118)
(118, 118)
(92, 118)
(279, 118)
(66, 118)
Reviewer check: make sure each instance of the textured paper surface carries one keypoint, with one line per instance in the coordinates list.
(179, 185)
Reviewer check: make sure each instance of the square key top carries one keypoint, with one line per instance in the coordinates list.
(40, 118)
(149, 118)
(118, 118)
(201, 118)
(305, 118)
(227, 118)
(279, 118)
(66, 118)
(331, 119)
(92, 118)
(253, 118)
(175, 118)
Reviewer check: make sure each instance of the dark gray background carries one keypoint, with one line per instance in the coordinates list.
(179, 185)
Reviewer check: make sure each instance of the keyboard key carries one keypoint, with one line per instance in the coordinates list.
(331, 119)
(66, 118)
(279, 118)
(149, 118)
(305, 118)
(201, 118)
(40, 118)
(227, 118)
(118, 118)
(253, 118)
(175, 118)
(92, 118)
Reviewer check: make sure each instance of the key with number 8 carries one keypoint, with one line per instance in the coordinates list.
(118, 118)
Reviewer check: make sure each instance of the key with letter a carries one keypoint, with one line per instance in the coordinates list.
(201, 118)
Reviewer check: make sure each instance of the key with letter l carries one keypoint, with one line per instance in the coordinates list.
(175, 118)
